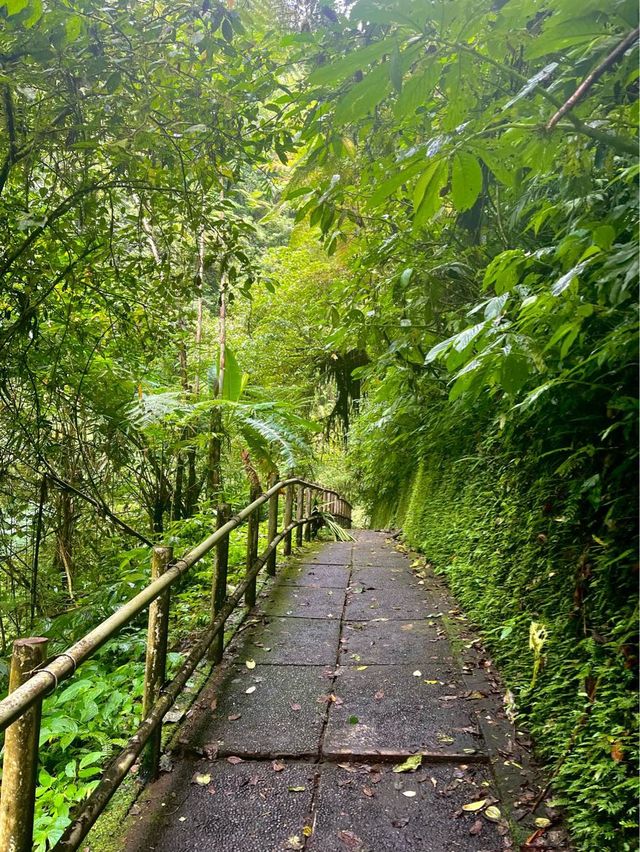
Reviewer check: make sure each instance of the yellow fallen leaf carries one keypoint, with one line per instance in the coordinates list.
(409, 764)
(543, 822)
(250, 664)
(474, 806)
(493, 814)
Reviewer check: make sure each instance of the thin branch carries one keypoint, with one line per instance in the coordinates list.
(595, 75)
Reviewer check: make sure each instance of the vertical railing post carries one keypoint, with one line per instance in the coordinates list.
(253, 533)
(299, 513)
(308, 503)
(156, 662)
(272, 530)
(20, 765)
(219, 587)
(288, 515)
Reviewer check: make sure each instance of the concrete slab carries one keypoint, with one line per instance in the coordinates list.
(391, 709)
(242, 808)
(269, 710)
(397, 602)
(316, 575)
(393, 642)
(293, 641)
(304, 602)
(384, 577)
(364, 808)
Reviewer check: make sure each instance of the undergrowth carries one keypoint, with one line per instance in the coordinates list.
(516, 551)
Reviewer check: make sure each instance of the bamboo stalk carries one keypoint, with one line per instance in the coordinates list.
(20, 765)
(253, 533)
(272, 531)
(299, 513)
(219, 585)
(288, 515)
(156, 663)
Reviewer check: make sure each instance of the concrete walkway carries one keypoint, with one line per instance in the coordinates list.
(347, 672)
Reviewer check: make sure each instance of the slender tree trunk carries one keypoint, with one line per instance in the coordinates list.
(214, 461)
(64, 541)
(36, 550)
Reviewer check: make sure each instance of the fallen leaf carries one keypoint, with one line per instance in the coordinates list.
(368, 792)
(476, 695)
(493, 814)
(210, 751)
(400, 822)
(297, 789)
(542, 822)
(182, 819)
(250, 664)
(476, 828)
(431, 681)
(307, 830)
(379, 695)
(277, 766)
(295, 707)
(202, 780)
(233, 760)
(295, 843)
(417, 673)
(361, 668)
(474, 806)
(250, 690)
(409, 765)
(234, 717)
(350, 840)
(409, 793)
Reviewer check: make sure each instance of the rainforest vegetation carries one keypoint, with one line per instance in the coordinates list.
(389, 244)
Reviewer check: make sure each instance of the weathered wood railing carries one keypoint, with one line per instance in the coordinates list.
(32, 677)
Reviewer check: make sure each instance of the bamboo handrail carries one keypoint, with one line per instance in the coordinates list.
(44, 680)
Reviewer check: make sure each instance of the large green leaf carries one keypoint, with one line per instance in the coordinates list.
(426, 195)
(466, 181)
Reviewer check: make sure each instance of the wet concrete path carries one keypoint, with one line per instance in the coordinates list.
(346, 671)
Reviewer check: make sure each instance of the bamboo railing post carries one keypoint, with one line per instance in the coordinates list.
(288, 515)
(219, 587)
(156, 662)
(272, 530)
(307, 512)
(299, 513)
(253, 533)
(20, 765)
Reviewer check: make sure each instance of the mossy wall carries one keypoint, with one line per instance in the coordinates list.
(516, 550)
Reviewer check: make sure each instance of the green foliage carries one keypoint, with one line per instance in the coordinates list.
(493, 249)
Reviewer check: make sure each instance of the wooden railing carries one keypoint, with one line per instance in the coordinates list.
(32, 677)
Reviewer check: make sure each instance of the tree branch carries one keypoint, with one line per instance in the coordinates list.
(595, 75)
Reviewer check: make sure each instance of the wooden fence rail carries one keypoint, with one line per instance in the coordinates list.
(32, 677)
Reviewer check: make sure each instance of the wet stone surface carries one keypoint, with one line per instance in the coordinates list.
(383, 577)
(281, 734)
(316, 575)
(305, 602)
(364, 808)
(391, 642)
(403, 603)
(214, 805)
(391, 709)
(267, 710)
(293, 641)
